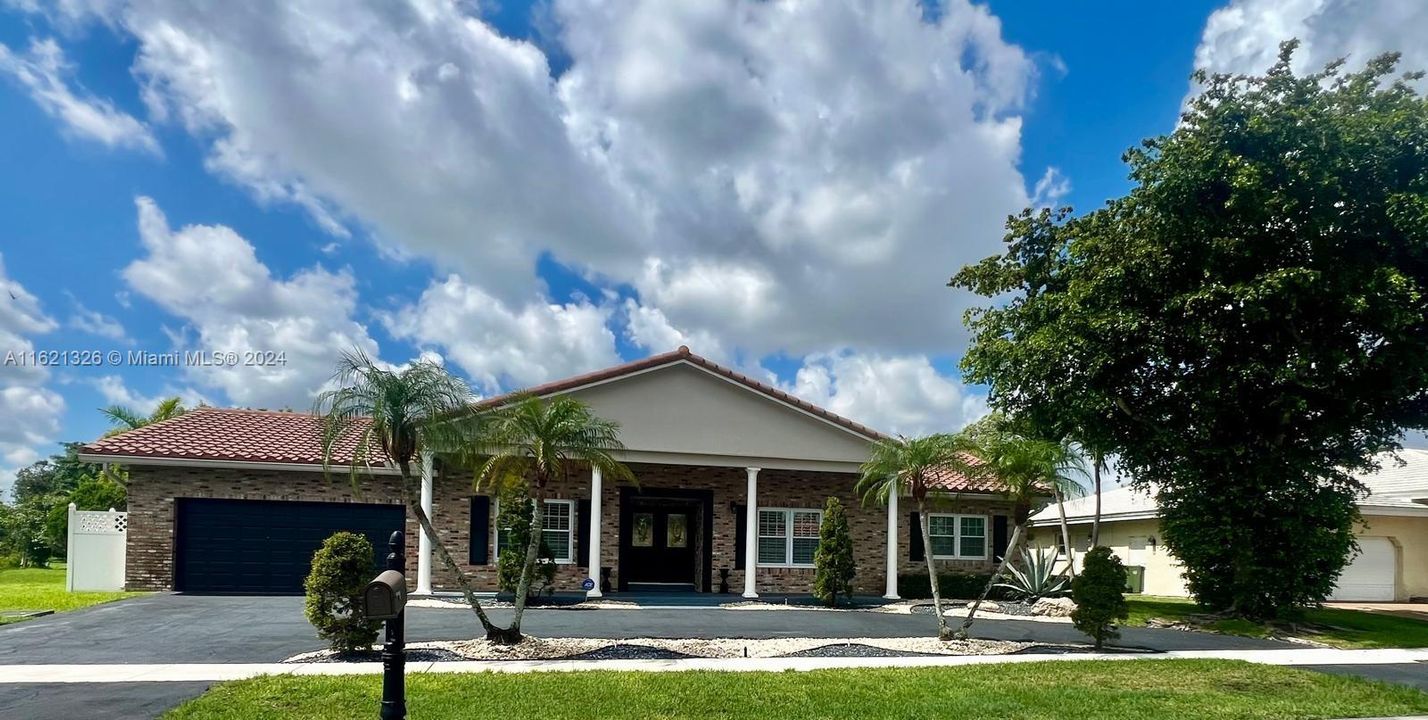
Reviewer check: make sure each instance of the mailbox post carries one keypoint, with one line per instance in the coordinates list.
(385, 598)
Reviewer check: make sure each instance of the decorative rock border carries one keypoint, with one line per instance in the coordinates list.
(533, 648)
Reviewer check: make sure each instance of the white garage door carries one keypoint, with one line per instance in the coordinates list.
(1371, 575)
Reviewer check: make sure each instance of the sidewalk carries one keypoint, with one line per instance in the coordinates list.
(211, 672)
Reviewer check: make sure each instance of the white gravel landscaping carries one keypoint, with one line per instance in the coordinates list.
(533, 648)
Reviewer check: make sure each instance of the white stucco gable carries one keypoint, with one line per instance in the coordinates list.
(686, 413)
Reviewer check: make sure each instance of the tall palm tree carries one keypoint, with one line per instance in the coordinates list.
(906, 466)
(390, 416)
(125, 419)
(531, 442)
(1029, 470)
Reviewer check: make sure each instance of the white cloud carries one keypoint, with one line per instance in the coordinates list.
(894, 394)
(501, 348)
(648, 328)
(43, 70)
(1244, 36)
(70, 15)
(117, 392)
(757, 171)
(96, 323)
(768, 177)
(29, 411)
(211, 278)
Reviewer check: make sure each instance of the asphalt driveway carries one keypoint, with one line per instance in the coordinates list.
(169, 628)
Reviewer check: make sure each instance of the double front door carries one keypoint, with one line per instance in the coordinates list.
(658, 543)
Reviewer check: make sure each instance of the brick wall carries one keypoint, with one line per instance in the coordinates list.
(152, 491)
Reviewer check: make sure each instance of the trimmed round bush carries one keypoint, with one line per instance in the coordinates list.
(1099, 592)
(341, 568)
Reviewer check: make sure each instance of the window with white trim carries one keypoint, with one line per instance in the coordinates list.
(788, 537)
(557, 529)
(958, 537)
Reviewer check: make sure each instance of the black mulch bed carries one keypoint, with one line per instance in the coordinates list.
(621, 651)
(417, 655)
(1081, 649)
(855, 650)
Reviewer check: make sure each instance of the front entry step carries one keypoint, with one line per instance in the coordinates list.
(646, 587)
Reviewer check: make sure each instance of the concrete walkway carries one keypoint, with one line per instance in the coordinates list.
(214, 672)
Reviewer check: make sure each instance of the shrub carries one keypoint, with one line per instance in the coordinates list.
(915, 586)
(514, 520)
(341, 568)
(1036, 577)
(1099, 592)
(833, 561)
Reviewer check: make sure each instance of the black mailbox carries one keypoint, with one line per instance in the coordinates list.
(384, 598)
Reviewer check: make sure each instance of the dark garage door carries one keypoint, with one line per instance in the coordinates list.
(259, 546)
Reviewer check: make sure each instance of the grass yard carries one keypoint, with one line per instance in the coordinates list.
(1061, 690)
(1330, 626)
(43, 589)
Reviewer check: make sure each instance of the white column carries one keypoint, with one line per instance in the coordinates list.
(423, 541)
(751, 533)
(891, 593)
(595, 492)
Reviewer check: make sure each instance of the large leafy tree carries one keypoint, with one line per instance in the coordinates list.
(531, 442)
(1247, 326)
(379, 416)
(907, 466)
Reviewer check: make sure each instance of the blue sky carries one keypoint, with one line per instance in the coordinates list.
(532, 191)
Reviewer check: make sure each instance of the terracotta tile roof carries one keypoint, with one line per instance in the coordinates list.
(209, 433)
(953, 480)
(669, 358)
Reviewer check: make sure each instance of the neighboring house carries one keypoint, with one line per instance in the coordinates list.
(1392, 563)
(236, 500)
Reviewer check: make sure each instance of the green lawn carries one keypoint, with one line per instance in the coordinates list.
(1330, 626)
(43, 589)
(1062, 690)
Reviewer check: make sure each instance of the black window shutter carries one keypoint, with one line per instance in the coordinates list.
(582, 532)
(914, 537)
(480, 529)
(739, 522)
(999, 536)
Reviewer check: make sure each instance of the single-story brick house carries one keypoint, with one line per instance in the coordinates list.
(224, 500)
(1392, 564)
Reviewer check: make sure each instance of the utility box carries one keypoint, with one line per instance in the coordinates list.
(1135, 578)
(385, 597)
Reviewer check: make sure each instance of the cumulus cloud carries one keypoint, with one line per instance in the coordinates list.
(1244, 36)
(756, 177)
(43, 71)
(211, 277)
(117, 392)
(500, 347)
(29, 410)
(895, 394)
(96, 323)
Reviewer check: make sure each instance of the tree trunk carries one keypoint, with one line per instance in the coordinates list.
(1001, 568)
(1065, 532)
(1096, 460)
(462, 581)
(523, 587)
(943, 631)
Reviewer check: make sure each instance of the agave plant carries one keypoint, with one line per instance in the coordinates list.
(1035, 577)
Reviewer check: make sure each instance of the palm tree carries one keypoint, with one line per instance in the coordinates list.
(531, 442)
(1029, 469)
(905, 465)
(390, 416)
(125, 419)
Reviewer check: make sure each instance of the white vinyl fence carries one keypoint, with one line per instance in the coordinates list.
(96, 549)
